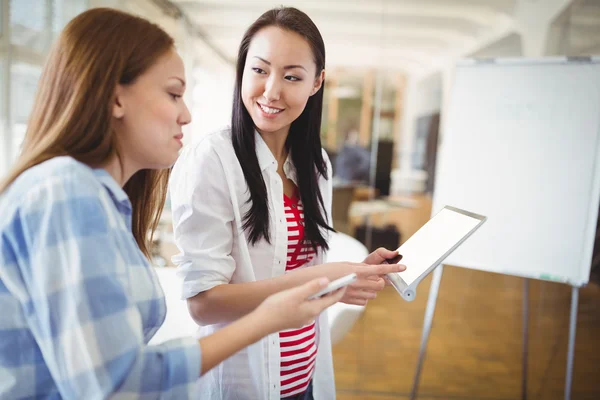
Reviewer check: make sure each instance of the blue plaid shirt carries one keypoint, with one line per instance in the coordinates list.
(78, 299)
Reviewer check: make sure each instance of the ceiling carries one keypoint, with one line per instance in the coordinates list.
(411, 36)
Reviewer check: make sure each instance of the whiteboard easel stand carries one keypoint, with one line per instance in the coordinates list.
(525, 325)
(430, 310)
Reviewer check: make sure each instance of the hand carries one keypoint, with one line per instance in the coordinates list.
(291, 308)
(380, 255)
(370, 281)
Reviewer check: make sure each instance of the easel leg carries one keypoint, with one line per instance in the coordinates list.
(429, 311)
(572, 330)
(525, 336)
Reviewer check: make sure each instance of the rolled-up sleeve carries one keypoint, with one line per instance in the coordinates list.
(203, 216)
(79, 305)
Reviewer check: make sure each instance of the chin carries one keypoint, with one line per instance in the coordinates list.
(269, 128)
(166, 162)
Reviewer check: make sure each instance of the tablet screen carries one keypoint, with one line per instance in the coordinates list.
(435, 240)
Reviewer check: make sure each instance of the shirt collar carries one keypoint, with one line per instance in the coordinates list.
(266, 158)
(290, 170)
(115, 190)
(263, 153)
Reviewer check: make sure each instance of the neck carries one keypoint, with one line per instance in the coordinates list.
(276, 143)
(118, 170)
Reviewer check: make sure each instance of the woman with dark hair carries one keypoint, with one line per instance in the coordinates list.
(251, 209)
(78, 297)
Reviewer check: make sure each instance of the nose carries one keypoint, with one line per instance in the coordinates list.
(272, 91)
(184, 116)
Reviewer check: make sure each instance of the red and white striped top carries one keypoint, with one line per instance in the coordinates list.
(298, 346)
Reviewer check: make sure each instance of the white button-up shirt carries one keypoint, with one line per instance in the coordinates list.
(209, 200)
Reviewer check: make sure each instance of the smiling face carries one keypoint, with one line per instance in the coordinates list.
(279, 77)
(149, 115)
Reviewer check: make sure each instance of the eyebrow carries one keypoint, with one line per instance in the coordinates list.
(285, 67)
(179, 79)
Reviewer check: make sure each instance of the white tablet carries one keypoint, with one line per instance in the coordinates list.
(430, 245)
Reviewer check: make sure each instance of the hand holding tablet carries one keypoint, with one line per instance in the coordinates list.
(430, 245)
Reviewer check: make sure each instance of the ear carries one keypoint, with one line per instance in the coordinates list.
(318, 83)
(118, 108)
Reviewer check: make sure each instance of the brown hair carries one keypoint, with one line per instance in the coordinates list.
(72, 112)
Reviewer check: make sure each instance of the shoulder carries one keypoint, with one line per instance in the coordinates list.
(63, 173)
(326, 157)
(207, 157)
(328, 164)
(206, 149)
(59, 180)
(218, 140)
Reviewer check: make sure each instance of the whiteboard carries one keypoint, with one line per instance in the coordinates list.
(520, 144)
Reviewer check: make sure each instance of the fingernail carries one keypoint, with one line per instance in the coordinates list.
(400, 267)
(323, 281)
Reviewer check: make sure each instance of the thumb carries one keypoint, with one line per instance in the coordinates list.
(385, 253)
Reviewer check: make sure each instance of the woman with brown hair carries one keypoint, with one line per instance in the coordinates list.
(78, 296)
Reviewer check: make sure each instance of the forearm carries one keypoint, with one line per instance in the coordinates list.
(232, 338)
(228, 302)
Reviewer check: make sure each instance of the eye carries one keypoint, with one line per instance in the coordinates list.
(258, 70)
(293, 78)
(175, 96)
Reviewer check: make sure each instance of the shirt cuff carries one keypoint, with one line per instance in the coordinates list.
(184, 359)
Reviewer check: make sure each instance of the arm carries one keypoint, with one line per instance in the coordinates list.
(284, 310)
(80, 309)
(228, 302)
(203, 228)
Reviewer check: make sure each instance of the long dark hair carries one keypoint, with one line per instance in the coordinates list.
(303, 141)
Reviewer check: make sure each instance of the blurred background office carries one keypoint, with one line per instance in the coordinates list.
(389, 70)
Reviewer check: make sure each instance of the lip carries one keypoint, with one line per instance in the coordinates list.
(179, 138)
(267, 115)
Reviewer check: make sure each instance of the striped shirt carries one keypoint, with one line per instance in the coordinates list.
(78, 300)
(298, 346)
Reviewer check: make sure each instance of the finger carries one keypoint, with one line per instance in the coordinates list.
(356, 301)
(383, 269)
(367, 284)
(366, 295)
(311, 287)
(339, 293)
(328, 300)
(350, 264)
